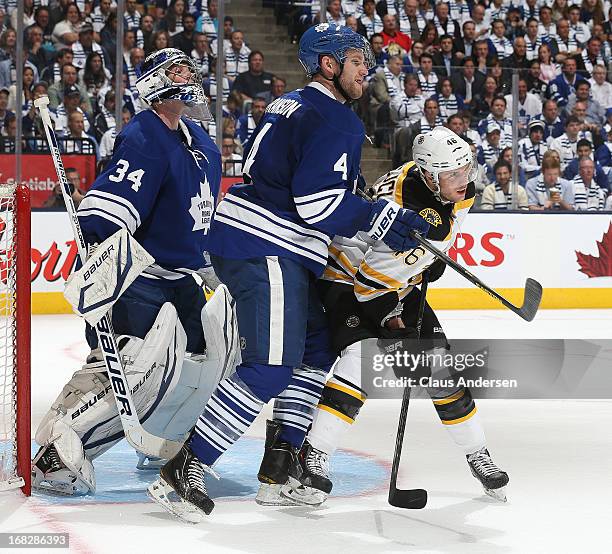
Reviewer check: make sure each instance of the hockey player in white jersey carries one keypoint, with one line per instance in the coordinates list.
(160, 188)
(370, 291)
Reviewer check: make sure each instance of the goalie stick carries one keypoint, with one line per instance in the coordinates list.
(414, 499)
(532, 294)
(136, 435)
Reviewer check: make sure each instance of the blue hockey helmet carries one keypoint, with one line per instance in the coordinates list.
(158, 82)
(330, 39)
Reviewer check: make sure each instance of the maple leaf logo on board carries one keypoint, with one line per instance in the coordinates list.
(598, 266)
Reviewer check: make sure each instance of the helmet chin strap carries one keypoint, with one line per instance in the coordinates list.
(336, 81)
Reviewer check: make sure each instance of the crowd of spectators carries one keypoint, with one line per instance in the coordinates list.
(437, 63)
(70, 55)
(452, 63)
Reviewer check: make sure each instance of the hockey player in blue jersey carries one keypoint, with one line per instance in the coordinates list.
(269, 240)
(161, 185)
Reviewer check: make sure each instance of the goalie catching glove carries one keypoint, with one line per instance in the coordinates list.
(392, 224)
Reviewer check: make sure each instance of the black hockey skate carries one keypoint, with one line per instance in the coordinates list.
(183, 475)
(309, 481)
(490, 476)
(274, 470)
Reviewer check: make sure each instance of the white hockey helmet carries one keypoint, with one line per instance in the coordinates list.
(442, 150)
(157, 83)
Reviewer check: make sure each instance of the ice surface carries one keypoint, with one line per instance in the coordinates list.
(558, 455)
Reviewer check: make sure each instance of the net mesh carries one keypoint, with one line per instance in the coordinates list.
(8, 337)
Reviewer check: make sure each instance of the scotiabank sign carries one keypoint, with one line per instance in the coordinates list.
(559, 250)
(38, 172)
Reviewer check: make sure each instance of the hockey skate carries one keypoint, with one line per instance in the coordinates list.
(274, 470)
(309, 481)
(51, 475)
(492, 478)
(183, 476)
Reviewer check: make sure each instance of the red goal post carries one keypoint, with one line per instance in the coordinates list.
(15, 300)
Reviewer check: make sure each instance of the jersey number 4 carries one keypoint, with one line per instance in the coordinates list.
(120, 173)
(341, 164)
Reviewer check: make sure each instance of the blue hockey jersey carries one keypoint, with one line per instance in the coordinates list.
(161, 185)
(301, 166)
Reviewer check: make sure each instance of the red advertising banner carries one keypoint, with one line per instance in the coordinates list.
(38, 172)
(227, 182)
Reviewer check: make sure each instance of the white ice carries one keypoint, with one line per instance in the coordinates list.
(557, 453)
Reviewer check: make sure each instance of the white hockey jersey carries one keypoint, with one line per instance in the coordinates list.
(381, 277)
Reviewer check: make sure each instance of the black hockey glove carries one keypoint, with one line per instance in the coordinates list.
(436, 270)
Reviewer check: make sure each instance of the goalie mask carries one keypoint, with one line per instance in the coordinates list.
(169, 74)
(439, 151)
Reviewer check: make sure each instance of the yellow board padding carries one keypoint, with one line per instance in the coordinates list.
(553, 298)
(439, 299)
(50, 303)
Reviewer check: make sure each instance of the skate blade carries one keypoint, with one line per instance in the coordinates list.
(159, 491)
(146, 463)
(497, 494)
(270, 495)
(56, 489)
(301, 494)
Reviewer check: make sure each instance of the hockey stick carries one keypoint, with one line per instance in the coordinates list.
(136, 435)
(414, 499)
(533, 289)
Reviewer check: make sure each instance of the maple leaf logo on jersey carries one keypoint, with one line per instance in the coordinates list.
(598, 266)
(202, 207)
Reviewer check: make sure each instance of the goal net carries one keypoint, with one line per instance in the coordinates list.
(14, 337)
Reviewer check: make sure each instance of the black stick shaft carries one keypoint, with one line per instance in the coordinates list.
(401, 426)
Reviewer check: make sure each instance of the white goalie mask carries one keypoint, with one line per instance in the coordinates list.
(169, 74)
(441, 150)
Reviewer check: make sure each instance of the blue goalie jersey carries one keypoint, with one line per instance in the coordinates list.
(301, 166)
(161, 185)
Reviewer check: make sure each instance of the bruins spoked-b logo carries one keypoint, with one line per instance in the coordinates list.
(431, 216)
(352, 321)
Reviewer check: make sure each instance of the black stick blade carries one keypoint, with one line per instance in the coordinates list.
(411, 499)
(533, 297)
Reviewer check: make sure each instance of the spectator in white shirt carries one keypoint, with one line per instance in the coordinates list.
(407, 108)
(588, 196)
(601, 90)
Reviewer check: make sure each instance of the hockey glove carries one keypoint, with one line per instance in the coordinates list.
(392, 224)
(436, 270)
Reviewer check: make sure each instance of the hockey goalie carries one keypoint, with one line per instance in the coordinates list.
(145, 222)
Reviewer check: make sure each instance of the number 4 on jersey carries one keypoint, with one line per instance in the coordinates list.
(341, 166)
(135, 176)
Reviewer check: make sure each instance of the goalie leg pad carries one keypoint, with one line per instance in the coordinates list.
(178, 412)
(86, 404)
